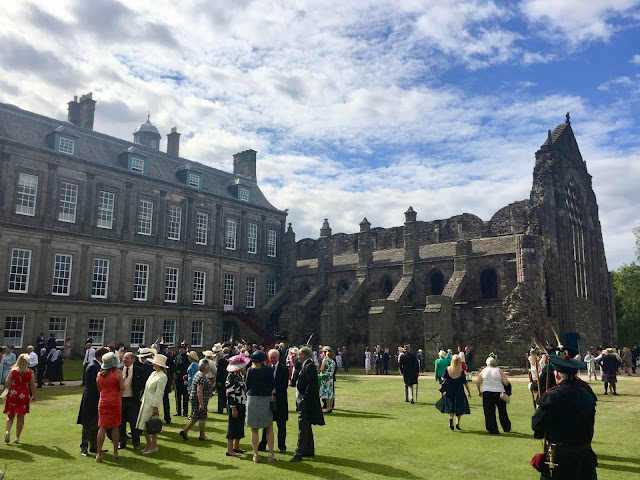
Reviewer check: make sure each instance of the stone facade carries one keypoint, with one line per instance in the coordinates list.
(461, 281)
(85, 216)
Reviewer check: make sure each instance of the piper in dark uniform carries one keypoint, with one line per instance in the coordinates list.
(410, 369)
(565, 417)
(182, 362)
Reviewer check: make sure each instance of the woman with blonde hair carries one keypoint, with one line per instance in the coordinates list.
(152, 401)
(454, 402)
(110, 383)
(21, 386)
(260, 394)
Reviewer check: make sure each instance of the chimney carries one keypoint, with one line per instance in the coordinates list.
(86, 109)
(244, 163)
(173, 142)
(74, 111)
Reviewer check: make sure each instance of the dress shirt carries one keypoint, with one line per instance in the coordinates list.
(127, 374)
(89, 355)
(33, 360)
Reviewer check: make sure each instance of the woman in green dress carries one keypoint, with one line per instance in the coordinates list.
(327, 369)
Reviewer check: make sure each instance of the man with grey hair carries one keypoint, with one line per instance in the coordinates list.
(33, 359)
(307, 405)
(281, 414)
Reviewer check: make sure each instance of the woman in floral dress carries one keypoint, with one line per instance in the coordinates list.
(327, 369)
(21, 387)
(199, 394)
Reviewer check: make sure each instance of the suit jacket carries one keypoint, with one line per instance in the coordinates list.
(281, 386)
(410, 368)
(307, 385)
(91, 395)
(221, 374)
(140, 376)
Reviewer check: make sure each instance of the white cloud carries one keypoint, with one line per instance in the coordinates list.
(635, 59)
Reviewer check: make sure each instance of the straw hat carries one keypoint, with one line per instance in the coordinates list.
(294, 350)
(237, 363)
(208, 354)
(442, 354)
(160, 360)
(326, 348)
(217, 348)
(193, 356)
(109, 361)
(144, 353)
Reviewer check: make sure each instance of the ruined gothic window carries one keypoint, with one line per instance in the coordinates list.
(386, 287)
(304, 290)
(489, 283)
(437, 283)
(343, 286)
(575, 207)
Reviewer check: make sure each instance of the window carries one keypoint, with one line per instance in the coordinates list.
(271, 243)
(489, 283)
(138, 326)
(100, 283)
(13, 330)
(68, 202)
(27, 190)
(19, 276)
(175, 217)
(58, 326)
(194, 180)
(252, 238)
(197, 329)
(137, 164)
(230, 242)
(437, 283)
(202, 228)
(574, 205)
(66, 145)
(145, 217)
(250, 298)
(61, 274)
(229, 281)
(171, 285)
(106, 201)
(271, 289)
(169, 332)
(96, 331)
(140, 282)
(199, 281)
(227, 331)
(243, 194)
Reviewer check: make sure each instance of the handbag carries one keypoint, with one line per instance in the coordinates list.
(154, 425)
(506, 398)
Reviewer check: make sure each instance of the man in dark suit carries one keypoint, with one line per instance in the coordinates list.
(307, 405)
(182, 362)
(221, 378)
(135, 377)
(88, 414)
(281, 415)
(40, 343)
(410, 370)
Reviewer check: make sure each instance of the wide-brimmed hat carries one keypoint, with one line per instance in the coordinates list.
(208, 354)
(145, 352)
(326, 348)
(566, 364)
(237, 362)
(258, 356)
(442, 354)
(193, 356)
(109, 361)
(160, 360)
(217, 348)
(293, 350)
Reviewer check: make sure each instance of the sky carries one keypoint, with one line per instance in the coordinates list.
(357, 108)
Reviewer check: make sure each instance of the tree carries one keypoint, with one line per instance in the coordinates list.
(626, 283)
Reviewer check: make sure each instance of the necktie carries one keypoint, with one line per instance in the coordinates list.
(126, 373)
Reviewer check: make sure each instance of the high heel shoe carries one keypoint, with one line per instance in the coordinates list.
(451, 424)
(272, 458)
(256, 458)
(458, 427)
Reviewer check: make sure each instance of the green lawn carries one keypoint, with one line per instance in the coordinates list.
(372, 434)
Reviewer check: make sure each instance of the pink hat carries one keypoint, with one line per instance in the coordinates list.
(238, 363)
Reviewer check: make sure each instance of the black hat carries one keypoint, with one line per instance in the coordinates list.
(183, 345)
(566, 364)
(162, 346)
(258, 356)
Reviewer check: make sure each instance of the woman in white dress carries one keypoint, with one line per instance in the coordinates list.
(152, 401)
(367, 361)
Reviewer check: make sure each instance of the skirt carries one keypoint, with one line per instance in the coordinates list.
(259, 413)
(609, 377)
(235, 430)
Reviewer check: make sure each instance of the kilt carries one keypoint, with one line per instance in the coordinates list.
(259, 413)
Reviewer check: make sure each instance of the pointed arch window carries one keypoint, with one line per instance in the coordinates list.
(576, 215)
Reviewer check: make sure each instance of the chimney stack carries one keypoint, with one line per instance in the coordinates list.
(244, 163)
(81, 112)
(173, 142)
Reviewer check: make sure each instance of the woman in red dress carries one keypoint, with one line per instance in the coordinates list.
(21, 386)
(110, 385)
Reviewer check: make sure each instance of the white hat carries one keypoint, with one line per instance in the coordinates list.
(144, 352)
(208, 354)
(160, 360)
(217, 348)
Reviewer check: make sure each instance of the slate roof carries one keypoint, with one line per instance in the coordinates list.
(28, 128)
(503, 245)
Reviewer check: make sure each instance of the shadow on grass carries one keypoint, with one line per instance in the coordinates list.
(619, 468)
(511, 434)
(15, 454)
(56, 452)
(356, 414)
(370, 467)
(612, 458)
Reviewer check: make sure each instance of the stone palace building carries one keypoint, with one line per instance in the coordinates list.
(120, 241)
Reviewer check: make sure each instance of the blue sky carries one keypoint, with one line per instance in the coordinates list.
(356, 108)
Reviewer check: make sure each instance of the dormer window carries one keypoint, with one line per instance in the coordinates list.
(137, 164)
(244, 194)
(66, 145)
(194, 180)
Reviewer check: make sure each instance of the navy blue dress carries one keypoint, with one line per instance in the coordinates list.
(454, 401)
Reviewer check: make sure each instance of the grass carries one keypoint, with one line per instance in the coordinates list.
(372, 434)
